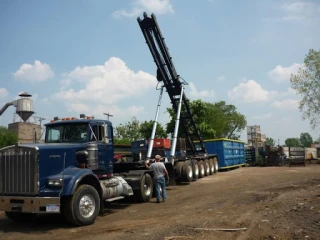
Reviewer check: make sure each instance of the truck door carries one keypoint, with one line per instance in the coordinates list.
(105, 150)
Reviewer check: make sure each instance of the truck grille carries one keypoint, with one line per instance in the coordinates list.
(19, 171)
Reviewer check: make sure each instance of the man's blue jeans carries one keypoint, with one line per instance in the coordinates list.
(160, 182)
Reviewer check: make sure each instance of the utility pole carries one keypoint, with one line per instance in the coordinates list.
(108, 114)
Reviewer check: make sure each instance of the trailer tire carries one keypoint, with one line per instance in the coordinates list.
(178, 170)
(20, 216)
(211, 166)
(206, 167)
(75, 208)
(201, 169)
(216, 165)
(187, 173)
(195, 169)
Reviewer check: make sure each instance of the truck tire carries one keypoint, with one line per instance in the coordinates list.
(144, 194)
(20, 216)
(216, 165)
(201, 169)
(83, 207)
(206, 167)
(187, 174)
(195, 169)
(211, 165)
(178, 169)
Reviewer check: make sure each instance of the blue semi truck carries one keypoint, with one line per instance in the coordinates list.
(72, 173)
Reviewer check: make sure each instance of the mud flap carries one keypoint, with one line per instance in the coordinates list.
(171, 172)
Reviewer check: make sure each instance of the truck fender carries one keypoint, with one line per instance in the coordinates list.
(79, 177)
(134, 177)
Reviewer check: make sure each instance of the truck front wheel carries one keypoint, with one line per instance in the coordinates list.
(83, 207)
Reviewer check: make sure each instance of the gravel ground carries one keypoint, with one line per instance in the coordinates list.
(261, 202)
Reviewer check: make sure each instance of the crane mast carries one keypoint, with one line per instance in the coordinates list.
(167, 73)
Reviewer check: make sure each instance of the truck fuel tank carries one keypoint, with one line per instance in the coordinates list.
(114, 187)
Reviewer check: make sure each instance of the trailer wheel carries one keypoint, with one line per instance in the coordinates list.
(216, 165)
(201, 169)
(144, 194)
(187, 174)
(195, 169)
(178, 169)
(211, 166)
(206, 167)
(20, 216)
(83, 207)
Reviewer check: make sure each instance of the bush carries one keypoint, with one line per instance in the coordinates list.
(259, 160)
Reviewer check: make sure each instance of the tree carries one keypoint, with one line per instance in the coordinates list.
(270, 142)
(7, 137)
(128, 132)
(214, 120)
(307, 84)
(306, 139)
(134, 130)
(292, 142)
(146, 130)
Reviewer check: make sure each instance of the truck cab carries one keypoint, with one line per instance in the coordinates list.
(71, 173)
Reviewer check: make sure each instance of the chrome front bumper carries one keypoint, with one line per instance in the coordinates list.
(30, 204)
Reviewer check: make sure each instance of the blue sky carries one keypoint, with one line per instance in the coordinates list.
(90, 57)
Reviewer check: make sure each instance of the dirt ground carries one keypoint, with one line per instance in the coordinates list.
(265, 202)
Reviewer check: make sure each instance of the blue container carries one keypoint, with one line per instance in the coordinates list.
(137, 146)
(230, 152)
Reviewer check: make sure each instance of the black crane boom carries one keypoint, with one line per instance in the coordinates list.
(167, 73)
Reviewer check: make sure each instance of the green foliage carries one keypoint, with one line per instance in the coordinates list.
(306, 139)
(7, 137)
(214, 120)
(270, 142)
(146, 130)
(128, 132)
(307, 84)
(259, 160)
(135, 130)
(292, 142)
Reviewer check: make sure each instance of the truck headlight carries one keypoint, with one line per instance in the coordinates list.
(55, 182)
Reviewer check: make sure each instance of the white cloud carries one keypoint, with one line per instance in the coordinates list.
(282, 74)
(194, 93)
(300, 9)
(103, 85)
(264, 116)
(296, 11)
(45, 101)
(151, 6)
(222, 78)
(3, 93)
(250, 92)
(290, 92)
(38, 72)
(98, 111)
(286, 104)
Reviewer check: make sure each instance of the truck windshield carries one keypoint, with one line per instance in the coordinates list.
(71, 133)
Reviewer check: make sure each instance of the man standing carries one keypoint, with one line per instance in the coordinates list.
(159, 171)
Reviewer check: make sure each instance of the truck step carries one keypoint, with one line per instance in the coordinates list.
(114, 199)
